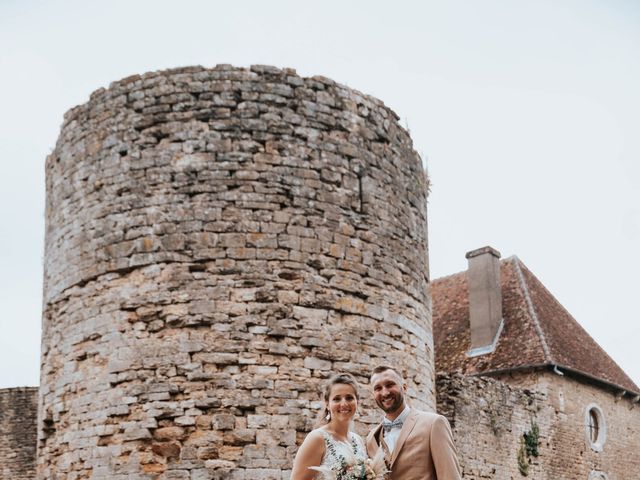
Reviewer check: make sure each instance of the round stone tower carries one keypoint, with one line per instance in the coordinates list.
(219, 242)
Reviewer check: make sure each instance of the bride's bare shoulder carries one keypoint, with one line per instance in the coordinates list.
(309, 454)
(316, 436)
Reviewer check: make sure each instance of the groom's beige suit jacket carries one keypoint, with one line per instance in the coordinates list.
(424, 450)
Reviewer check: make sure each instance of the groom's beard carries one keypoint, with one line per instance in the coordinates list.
(394, 406)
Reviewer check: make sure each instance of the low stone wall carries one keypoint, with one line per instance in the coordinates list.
(18, 415)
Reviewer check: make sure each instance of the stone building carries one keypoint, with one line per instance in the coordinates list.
(219, 241)
(526, 389)
(18, 412)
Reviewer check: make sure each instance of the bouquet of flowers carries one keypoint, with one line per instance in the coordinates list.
(353, 468)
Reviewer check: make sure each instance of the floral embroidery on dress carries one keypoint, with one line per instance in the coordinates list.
(348, 461)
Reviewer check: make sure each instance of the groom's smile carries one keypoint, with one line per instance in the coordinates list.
(388, 392)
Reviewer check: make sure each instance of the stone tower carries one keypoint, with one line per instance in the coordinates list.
(218, 242)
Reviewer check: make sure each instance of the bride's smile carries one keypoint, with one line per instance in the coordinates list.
(342, 402)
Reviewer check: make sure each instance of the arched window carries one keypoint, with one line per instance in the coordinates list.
(595, 427)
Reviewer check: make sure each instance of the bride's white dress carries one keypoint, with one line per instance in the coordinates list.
(337, 453)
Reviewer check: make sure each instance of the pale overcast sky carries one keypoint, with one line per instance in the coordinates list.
(527, 114)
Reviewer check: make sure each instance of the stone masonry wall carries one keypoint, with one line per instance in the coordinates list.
(569, 400)
(18, 414)
(489, 418)
(218, 242)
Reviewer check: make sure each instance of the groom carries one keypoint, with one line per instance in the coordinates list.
(417, 445)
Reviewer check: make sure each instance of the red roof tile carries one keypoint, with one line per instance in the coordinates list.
(537, 332)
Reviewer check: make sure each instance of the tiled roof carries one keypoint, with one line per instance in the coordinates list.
(537, 332)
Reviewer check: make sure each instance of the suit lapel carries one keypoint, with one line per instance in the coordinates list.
(408, 425)
(385, 449)
(373, 440)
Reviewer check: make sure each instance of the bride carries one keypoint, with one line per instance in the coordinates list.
(332, 447)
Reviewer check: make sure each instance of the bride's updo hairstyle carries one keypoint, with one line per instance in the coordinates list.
(339, 379)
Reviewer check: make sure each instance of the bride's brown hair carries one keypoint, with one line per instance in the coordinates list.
(339, 379)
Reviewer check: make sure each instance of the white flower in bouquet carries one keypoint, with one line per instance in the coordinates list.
(351, 467)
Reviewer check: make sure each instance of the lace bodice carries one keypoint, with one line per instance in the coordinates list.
(337, 452)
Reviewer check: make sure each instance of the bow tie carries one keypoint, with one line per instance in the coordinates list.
(388, 426)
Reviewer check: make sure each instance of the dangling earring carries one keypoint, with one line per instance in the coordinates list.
(328, 416)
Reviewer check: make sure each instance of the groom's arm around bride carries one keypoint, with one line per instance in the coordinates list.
(417, 445)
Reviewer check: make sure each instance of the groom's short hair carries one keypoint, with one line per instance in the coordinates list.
(384, 368)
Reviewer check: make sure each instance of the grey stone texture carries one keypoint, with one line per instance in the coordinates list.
(489, 418)
(218, 242)
(485, 298)
(18, 414)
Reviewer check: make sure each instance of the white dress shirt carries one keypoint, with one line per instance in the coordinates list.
(391, 437)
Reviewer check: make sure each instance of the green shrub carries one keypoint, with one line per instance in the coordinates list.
(531, 440)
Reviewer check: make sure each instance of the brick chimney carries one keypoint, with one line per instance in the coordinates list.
(485, 300)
